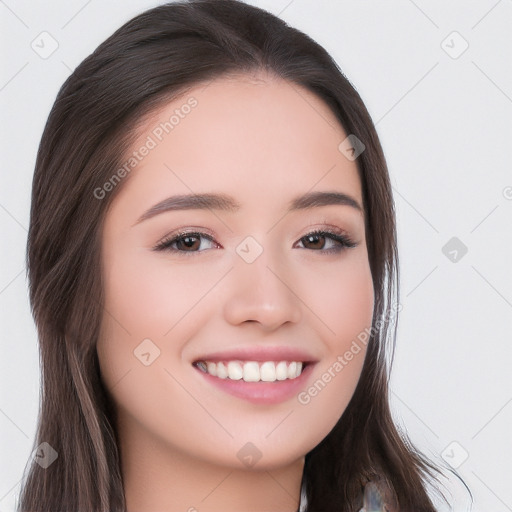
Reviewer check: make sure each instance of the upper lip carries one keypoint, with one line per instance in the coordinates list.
(259, 354)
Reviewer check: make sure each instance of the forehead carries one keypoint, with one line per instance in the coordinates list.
(252, 136)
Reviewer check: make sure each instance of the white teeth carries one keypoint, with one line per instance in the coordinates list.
(281, 370)
(268, 372)
(252, 371)
(222, 371)
(235, 371)
(212, 369)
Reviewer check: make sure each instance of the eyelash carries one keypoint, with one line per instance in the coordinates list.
(343, 240)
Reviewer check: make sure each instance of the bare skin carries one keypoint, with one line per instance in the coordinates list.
(264, 142)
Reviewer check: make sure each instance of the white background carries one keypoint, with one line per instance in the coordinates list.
(446, 127)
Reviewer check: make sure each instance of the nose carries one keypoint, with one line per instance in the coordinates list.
(261, 292)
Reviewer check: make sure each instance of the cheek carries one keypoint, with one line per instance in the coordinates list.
(148, 296)
(141, 306)
(342, 298)
(344, 302)
(141, 365)
(151, 312)
(137, 293)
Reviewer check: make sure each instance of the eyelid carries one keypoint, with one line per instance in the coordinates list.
(325, 225)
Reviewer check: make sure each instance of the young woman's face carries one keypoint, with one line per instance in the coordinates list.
(237, 277)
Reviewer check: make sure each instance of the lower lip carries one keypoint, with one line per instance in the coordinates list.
(261, 392)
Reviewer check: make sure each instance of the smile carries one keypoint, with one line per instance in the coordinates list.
(252, 371)
(270, 384)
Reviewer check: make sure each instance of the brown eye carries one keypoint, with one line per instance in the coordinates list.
(326, 242)
(185, 242)
(314, 241)
(188, 243)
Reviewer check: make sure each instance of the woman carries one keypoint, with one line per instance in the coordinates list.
(213, 274)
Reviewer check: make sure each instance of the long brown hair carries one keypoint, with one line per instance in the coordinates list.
(150, 60)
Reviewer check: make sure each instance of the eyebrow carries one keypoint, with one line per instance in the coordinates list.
(227, 203)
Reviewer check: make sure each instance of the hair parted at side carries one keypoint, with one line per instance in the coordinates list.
(150, 60)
